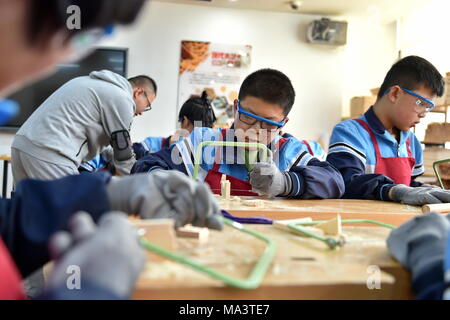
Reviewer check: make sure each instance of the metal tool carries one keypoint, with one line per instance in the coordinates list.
(297, 226)
(436, 171)
(333, 243)
(254, 279)
(198, 152)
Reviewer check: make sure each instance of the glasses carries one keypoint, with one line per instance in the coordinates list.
(251, 119)
(149, 106)
(83, 43)
(423, 105)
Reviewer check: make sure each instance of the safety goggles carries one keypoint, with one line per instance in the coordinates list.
(423, 105)
(251, 119)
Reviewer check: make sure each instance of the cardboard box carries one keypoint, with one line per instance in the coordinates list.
(437, 133)
(445, 99)
(441, 101)
(359, 105)
(431, 155)
(374, 91)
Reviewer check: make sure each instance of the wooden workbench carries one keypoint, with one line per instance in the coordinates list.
(303, 268)
(279, 208)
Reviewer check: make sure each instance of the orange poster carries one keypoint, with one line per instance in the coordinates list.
(217, 68)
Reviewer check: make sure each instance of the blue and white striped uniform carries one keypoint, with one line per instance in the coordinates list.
(149, 145)
(96, 164)
(317, 150)
(352, 152)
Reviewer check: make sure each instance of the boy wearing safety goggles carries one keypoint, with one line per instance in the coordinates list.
(289, 170)
(377, 154)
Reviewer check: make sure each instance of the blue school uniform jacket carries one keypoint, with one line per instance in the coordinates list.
(316, 149)
(41, 208)
(150, 144)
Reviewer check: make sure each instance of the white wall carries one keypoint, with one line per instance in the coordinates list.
(430, 41)
(369, 54)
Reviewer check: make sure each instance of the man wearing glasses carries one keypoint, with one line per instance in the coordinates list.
(79, 121)
(265, 99)
(377, 154)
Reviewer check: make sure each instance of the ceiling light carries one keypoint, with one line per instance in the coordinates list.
(295, 5)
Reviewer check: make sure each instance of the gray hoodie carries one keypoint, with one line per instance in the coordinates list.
(75, 123)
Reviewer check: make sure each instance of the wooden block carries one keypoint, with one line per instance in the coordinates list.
(227, 190)
(188, 231)
(160, 232)
(47, 270)
(254, 203)
(438, 207)
(359, 105)
(331, 227)
(225, 187)
(283, 225)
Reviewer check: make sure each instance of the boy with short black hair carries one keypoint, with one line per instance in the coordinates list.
(377, 154)
(265, 100)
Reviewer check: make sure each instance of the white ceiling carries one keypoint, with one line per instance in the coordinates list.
(388, 9)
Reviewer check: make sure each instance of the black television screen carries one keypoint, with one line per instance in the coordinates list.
(32, 96)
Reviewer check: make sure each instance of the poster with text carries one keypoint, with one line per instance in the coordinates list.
(217, 68)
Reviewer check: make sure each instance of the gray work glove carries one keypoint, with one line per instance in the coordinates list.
(419, 245)
(108, 154)
(108, 255)
(267, 179)
(419, 195)
(165, 194)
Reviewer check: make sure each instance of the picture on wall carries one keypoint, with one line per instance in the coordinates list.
(217, 68)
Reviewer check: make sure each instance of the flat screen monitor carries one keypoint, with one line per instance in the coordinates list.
(32, 96)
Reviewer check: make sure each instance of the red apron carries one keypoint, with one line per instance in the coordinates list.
(398, 169)
(10, 281)
(238, 187)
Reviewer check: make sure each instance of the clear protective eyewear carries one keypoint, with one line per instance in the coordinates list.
(423, 105)
(251, 119)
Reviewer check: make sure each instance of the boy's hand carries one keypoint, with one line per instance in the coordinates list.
(419, 245)
(419, 195)
(108, 255)
(165, 194)
(266, 178)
